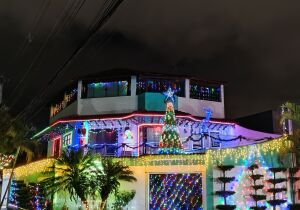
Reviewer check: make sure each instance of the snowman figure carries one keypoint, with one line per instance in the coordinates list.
(128, 140)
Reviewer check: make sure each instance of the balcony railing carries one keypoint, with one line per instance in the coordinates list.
(197, 144)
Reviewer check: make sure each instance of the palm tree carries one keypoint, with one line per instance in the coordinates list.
(71, 173)
(107, 179)
(13, 133)
(291, 111)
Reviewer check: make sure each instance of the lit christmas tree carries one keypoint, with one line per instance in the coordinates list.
(37, 198)
(19, 195)
(170, 142)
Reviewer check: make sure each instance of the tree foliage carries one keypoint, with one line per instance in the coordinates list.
(108, 180)
(70, 173)
(122, 199)
(291, 112)
(13, 134)
(86, 176)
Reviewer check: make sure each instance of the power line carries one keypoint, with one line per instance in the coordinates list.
(98, 46)
(41, 50)
(106, 14)
(74, 14)
(25, 44)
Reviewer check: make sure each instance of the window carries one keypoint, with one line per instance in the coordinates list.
(105, 139)
(160, 85)
(205, 92)
(106, 89)
(67, 139)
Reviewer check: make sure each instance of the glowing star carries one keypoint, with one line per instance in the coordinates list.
(169, 95)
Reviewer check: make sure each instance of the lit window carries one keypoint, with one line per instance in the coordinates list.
(205, 92)
(67, 139)
(106, 89)
(160, 85)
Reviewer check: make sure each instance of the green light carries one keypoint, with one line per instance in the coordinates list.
(39, 133)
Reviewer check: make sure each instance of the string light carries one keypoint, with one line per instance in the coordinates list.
(211, 157)
(5, 160)
(68, 98)
(31, 168)
(170, 142)
(175, 191)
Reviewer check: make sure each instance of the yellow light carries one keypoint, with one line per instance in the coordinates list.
(211, 157)
(31, 168)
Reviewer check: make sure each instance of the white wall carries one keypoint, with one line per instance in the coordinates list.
(4, 186)
(108, 105)
(140, 200)
(195, 107)
(128, 104)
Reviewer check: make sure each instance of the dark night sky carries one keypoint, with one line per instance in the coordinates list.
(253, 45)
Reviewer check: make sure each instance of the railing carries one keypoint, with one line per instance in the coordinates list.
(195, 144)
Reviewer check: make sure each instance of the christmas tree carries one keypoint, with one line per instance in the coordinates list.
(37, 199)
(170, 142)
(19, 195)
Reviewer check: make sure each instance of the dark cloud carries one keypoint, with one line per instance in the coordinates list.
(254, 46)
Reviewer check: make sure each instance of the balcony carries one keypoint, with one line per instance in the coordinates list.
(198, 144)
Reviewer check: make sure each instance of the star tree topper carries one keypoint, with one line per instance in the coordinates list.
(170, 95)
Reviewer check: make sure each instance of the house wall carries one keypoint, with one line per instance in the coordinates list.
(70, 110)
(141, 187)
(145, 101)
(196, 107)
(50, 149)
(265, 154)
(108, 105)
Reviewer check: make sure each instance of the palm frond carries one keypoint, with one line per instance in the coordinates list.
(291, 112)
(13, 134)
(70, 173)
(111, 173)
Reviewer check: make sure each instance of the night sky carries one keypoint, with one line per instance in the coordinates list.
(252, 45)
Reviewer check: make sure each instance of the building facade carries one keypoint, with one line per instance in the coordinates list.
(122, 115)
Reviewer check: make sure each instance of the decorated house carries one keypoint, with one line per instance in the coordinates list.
(171, 131)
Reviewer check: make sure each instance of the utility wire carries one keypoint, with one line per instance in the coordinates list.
(107, 13)
(73, 15)
(105, 39)
(100, 44)
(26, 42)
(52, 33)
